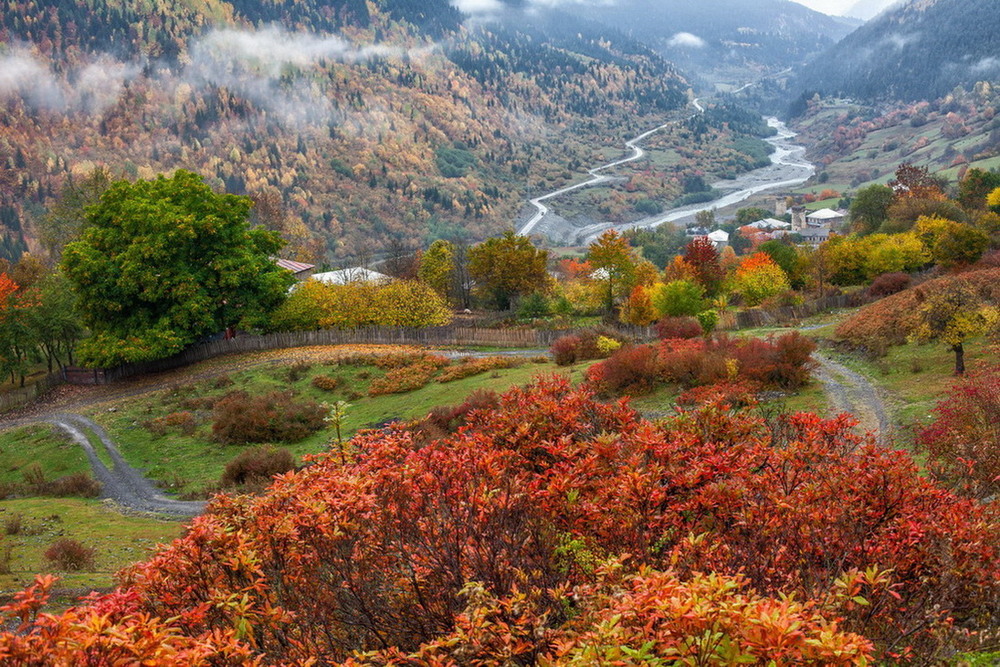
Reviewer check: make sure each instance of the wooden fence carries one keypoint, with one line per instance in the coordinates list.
(453, 335)
(15, 398)
(763, 317)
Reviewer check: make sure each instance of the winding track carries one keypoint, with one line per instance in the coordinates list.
(851, 392)
(121, 483)
(596, 178)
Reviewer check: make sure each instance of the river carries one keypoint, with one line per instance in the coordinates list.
(788, 168)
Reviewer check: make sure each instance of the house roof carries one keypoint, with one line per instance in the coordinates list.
(719, 236)
(824, 214)
(353, 275)
(294, 267)
(770, 223)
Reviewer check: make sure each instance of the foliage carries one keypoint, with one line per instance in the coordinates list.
(583, 345)
(853, 260)
(533, 306)
(784, 363)
(961, 442)
(470, 366)
(701, 254)
(256, 466)
(506, 267)
(678, 327)
(993, 200)
(678, 298)
(326, 382)
(239, 418)
(611, 258)
(401, 303)
(758, 278)
(164, 262)
(912, 182)
(638, 309)
(406, 378)
(870, 208)
(889, 283)
(952, 315)
(69, 555)
(975, 188)
(822, 545)
(437, 266)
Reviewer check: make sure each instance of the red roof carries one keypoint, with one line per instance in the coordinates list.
(294, 267)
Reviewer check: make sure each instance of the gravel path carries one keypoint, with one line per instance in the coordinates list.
(121, 483)
(852, 392)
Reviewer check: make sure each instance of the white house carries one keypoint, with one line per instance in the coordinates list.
(824, 217)
(719, 238)
(353, 275)
(770, 224)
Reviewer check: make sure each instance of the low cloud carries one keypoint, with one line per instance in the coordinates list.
(898, 41)
(686, 40)
(91, 88)
(986, 66)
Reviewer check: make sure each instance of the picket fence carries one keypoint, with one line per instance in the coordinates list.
(15, 398)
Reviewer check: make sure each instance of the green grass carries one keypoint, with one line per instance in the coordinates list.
(915, 376)
(118, 540)
(41, 445)
(191, 464)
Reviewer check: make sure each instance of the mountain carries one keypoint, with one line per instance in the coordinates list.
(364, 124)
(714, 34)
(919, 50)
(869, 9)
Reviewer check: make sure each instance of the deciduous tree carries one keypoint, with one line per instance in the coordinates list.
(507, 267)
(953, 314)
(614, 266)
(164, 262)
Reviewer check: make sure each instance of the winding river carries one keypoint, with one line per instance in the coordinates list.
(788, 168)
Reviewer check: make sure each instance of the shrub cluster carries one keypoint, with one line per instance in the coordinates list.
(403, 379)
(70, 555)
(183, 422)
(678, 327)
(709, 538)
(585, 344)
(74, 485)
(470, 366)
(256, 466)
(889, 283)
(782, 362)
(326, 382)
(240, 418)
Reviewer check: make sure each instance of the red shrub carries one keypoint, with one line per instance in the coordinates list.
(737, 394)
(678, 327)
(889, 283)
(256, 466)
(963, 441)
(564, 350)
(475, 542)
(630, 370)
(69, 555)
(240, 418)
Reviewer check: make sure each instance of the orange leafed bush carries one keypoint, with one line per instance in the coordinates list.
(551, 523)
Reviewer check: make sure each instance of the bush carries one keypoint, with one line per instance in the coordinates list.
(256, 466)
(77, 485)
(961, 442)
(471, 366)
(182, 422)
(564, 350)
(678, 327)
(240, 418)
(296, 371)
(402, 380)
(69, 555)
(889, 283)
(631, 370)
(326, 382)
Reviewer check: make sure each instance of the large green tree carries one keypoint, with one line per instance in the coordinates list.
(870, 208)
(614, 266)
(164, 262)
(506, 267)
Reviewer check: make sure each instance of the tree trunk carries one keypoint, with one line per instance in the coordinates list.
(959, 359)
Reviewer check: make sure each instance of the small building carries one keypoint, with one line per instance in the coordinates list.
(769, 224)
(798, 218)
(719, 239)
(825, 217)
(300, 270)
(814, 235)
(353, 275)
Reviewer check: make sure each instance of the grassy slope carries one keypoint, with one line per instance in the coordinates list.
(118, 540)
(188, 464)
(43, 445)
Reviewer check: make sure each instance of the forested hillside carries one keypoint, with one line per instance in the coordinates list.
(374, 124)
(920, 50)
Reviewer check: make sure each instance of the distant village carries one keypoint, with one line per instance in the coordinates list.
(811, 227)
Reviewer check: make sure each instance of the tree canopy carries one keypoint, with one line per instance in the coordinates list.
(508, 266)
(164, 262)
